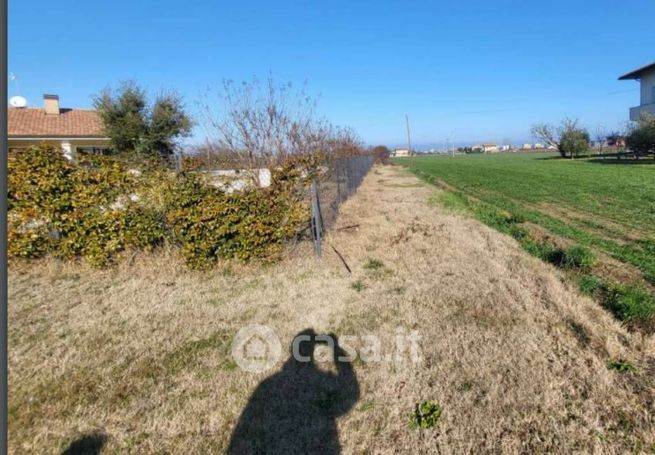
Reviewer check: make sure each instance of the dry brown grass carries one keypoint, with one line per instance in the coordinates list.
(514, 356)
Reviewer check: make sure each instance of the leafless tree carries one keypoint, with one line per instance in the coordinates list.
(600, 136)
(381, 154)
(546, 133)
(265, 123)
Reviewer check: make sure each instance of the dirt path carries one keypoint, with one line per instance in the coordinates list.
(515, 358)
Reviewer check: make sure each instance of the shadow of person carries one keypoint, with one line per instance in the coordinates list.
(89, 444)
(295, 410)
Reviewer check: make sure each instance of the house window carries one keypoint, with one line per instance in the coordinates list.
(93, 150)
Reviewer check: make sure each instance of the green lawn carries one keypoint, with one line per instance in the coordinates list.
(603, 205)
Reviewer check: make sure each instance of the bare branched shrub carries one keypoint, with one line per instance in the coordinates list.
(262, 124)
(546, 133)
(381, 154)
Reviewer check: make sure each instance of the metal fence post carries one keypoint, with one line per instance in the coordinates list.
(337, 165)
(317, 225)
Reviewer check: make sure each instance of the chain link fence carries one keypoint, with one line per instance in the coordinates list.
(339, 181)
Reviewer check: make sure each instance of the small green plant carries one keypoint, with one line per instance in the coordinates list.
(624, 424)
(650, 277)
(589, 284)
(464, 386)
(518, 232)
(426, 415)
(451, 200)
(578, 257)
(544, 251)
(398, 290)
(358, 286)
(622, 366)
(501, 220)
(373, 264)
(229, 365)
(366, 405)
(632, 304)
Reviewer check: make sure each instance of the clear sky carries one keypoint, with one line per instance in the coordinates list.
(468, 70)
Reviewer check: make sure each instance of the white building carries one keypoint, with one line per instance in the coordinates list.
(486, 148)
(646, 76)
(400, 152)
(526, 147)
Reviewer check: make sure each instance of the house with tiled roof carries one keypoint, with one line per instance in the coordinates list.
(74, 130)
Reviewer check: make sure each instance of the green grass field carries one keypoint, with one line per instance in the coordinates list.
(606, 206)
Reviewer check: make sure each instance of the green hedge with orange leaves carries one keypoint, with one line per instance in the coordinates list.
(96, 207)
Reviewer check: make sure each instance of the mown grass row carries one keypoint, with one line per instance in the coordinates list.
(640, 253)
(609, 208)
(632, 304)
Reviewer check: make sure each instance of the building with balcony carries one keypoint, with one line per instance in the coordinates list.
(646, 77)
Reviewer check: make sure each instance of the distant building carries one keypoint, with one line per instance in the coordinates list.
(646, 76)
(539, 146)
(485, 148)
(400, 152)
(74, 130)
(551, 147)
(616, 140)
(505, 148)
(526, 147)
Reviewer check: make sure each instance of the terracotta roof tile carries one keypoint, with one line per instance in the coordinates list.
(34, 122)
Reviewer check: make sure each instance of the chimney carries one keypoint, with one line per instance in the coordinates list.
(51, 104)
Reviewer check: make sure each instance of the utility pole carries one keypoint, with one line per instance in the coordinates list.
(409, 135)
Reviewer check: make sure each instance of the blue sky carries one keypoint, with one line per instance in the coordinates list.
(468, 70)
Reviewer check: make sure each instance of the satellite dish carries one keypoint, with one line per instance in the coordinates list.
(17, 101)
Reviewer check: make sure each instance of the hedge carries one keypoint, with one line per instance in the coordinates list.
(96, 207)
